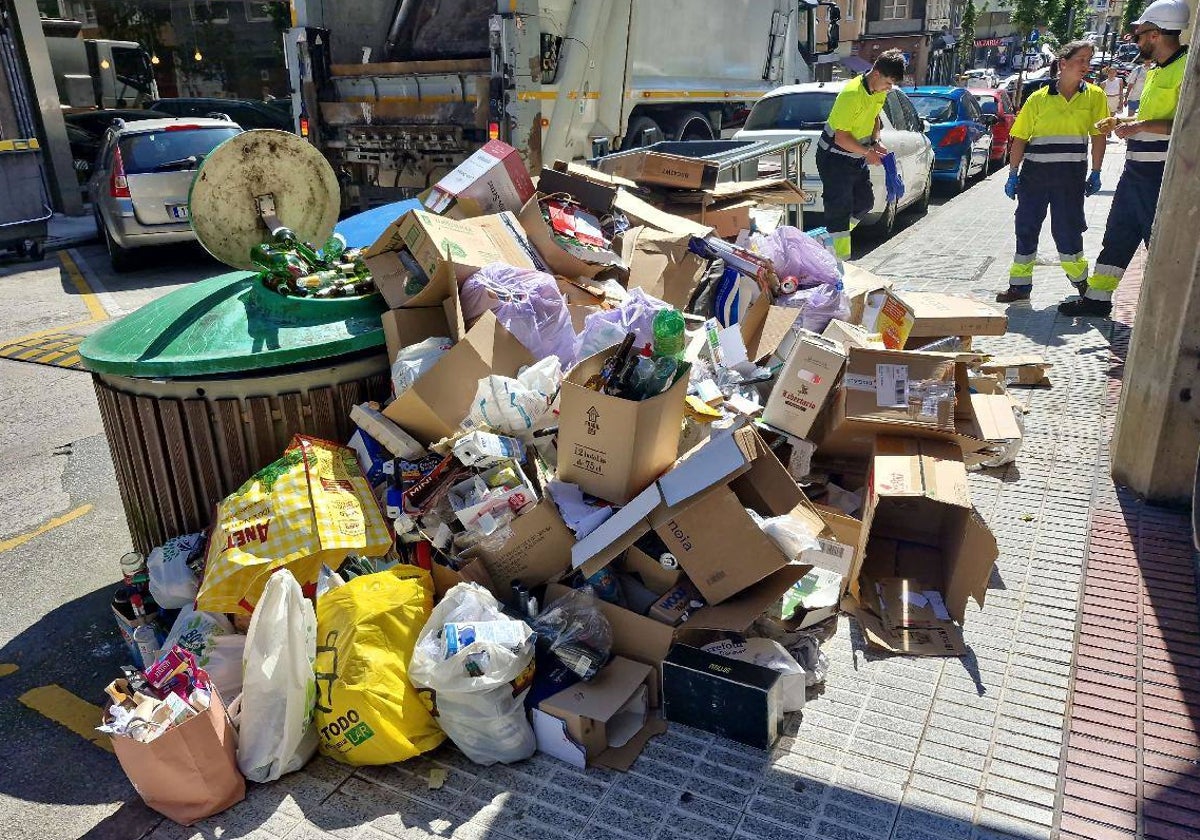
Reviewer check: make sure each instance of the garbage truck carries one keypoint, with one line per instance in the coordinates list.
(95, 72)
(397, 93)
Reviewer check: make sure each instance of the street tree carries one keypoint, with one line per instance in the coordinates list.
(966, 43)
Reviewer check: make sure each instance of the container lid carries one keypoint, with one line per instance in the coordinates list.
(232, 324)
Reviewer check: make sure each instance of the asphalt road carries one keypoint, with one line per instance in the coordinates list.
(57, 576)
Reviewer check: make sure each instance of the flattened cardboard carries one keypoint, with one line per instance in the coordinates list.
(434, 406)
(727, 219)
(491, 180)
(804, 385)
(614, 448)
(661, 265)
(662, 170)
(886, 386)
(906, 318)
(852, 335)
(1019, 370)
(539, 549)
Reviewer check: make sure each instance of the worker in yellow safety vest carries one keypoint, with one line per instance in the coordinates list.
(1131, 216)
(849, 142)
(1048, 169)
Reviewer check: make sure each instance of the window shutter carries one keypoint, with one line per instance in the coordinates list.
(917, 10)
(874, 10)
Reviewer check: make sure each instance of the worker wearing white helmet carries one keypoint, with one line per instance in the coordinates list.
(1131, 216)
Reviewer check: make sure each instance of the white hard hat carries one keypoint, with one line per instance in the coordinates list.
(1165, 14)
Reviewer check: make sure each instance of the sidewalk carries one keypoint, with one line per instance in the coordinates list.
(69, 231)
(1067, 716)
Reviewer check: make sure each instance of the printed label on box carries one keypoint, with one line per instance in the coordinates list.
(893, 386)
(858, 382)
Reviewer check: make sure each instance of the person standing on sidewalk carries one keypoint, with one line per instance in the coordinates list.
(1114, 89)
(849, 142)
(1131, 216)
(1134, 82)
(1048, 169)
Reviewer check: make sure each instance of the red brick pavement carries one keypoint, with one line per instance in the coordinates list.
(1131, 765)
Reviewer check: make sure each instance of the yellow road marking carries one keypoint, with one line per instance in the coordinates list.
(97, 310)
(54, 356)
(70, 361)
(64, 708)
(49, 331)
(7, 668)
(27, 354)
(56, 522)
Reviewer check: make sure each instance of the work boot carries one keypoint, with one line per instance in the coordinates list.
(1013, 294)
(1080, 288)
(1086, 307)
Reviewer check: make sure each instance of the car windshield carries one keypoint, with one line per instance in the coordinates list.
(155, 151)
(933, 108)
(987, 104)
(791, 110)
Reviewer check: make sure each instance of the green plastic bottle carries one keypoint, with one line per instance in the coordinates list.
(668, 333)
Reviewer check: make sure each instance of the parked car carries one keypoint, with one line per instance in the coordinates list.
(999, 104)
(139, 187)
(984, 77)
(801, 111)
(959, 131)
(85, 133)
(247, 113)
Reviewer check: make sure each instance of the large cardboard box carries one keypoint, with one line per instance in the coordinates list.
(662, 170)
(470, 244)
(438, 402)
(661, 265)
(1029, 369)
(614, 448)
(914, 318)
(809, 376)
(920, 535)
(492, 180)
(605, 722)
(597, 199)
(537, 550)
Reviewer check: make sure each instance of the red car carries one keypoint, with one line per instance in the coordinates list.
(998, 102)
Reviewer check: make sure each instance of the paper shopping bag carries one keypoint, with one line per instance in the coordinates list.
(190, 771)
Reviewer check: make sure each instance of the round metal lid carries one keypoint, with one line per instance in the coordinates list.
(224, 200)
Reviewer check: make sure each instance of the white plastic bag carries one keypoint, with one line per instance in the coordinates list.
(610, 326)
(415, 360)
(171, 581)
(516, 406)
(791, 535)
(210, 638)
(483, 715)
(276, 733)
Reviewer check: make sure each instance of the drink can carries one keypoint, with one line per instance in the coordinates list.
(145, 638)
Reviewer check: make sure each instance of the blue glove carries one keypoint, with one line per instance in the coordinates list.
(1093, 184)
(1010, 186)
(892, 178)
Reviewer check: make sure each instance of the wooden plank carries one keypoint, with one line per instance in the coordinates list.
(413, 68)
(229, 415)
(347, 395)
(113, 432)
(324, 424)
(260, 433)
(292, 408)
(162, 484)
(183, 477)
(211, 481)
(148, 519)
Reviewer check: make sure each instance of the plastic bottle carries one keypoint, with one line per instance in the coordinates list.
(662, 376)
(668, 332)
(134, 571)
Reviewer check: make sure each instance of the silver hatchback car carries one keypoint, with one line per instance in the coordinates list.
(140, 182)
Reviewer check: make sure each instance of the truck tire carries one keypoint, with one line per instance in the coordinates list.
(643, 131)
(691, 125)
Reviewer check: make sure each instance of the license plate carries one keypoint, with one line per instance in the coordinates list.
(178, 212)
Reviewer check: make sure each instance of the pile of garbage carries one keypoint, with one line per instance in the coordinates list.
(630, 471)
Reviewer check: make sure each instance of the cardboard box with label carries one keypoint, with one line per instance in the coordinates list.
(492, 180)
(537, 549)
(906, 319)
(603, 723)
(655, 168)
(434, 406)
(853, 335)
(924, 550)
(611, 447)
(810, 375)
(432, 240)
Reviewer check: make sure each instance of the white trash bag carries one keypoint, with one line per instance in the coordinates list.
(483, 715)
(172, 583)
(210, 638)
(275, 712)
(415, 360)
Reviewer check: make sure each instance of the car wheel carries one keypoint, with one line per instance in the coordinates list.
(121, 258)
(960, 180)
(885, 225)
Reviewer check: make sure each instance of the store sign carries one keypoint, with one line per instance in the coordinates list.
(988, 42)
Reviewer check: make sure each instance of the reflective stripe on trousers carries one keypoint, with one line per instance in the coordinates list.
(1130, 221)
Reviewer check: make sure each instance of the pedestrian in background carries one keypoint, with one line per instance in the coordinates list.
(1114, 89)
(1131, 216)
(849, 143)
(1048, 168)
(1134, 82)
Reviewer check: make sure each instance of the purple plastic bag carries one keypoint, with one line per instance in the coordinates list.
(609, 327)
(796, 254)
(528, 304)
(820, 305)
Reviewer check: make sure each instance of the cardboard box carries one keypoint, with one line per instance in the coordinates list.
(852, 335)
(538, 550)
(614, 448)
(733, 699)
(675, 605)
(661, 265)
(907, 318)
(809, 376)
(492, 180)
(1019, 370)
(768, 330)
(727, 219)
(446, 578)
(469, 244)
(653, 575)
(605, 722)
(919, 526)
(438, 402)
(645, 167)
(595, 198)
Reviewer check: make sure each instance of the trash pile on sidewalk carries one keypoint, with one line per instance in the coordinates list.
(629, 474)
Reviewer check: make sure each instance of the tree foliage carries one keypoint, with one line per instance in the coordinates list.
(1132, 11)
(966, 43)
(1059, 21)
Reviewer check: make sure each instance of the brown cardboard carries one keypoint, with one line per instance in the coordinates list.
(436, 403)
(661, 265)
(662, 170)
(650, 571)
(919, 524)
(765, 328)
(858, 283)
(852, 335)
(889, 386)
(906, 318)
(491, 180)
(576, 724)
(675, 604)
(596, 198)
(727, 219)
(611, 447)
(471, 244)
(743, 609)
(1019, 370)
(805, 383)
(445, 578)
(539, 549)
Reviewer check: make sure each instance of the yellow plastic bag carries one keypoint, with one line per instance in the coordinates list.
(367, 711)
(312, 506)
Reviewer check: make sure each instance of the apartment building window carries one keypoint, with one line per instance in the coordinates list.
(210, 11)
(258, 11)
(895, 9)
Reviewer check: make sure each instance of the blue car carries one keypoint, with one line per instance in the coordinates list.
(960, 132)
